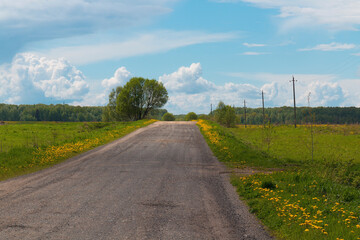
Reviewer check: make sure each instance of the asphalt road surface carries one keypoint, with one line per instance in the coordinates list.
(160, 182)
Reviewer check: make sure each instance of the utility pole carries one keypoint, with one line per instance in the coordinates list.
(211, 109)
(293, 81)
(263, 106)
(245, 111)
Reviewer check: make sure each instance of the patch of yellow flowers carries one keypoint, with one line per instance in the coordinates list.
(214, 137)
(292, 211)
(51, 154)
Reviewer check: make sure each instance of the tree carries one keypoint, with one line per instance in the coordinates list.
(225, 115)
(168, 117)
(135, 100)
(191, 116)
(110, 113)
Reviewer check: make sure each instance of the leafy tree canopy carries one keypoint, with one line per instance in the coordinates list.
(135, 100)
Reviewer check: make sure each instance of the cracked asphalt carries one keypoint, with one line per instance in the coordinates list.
(159, 182)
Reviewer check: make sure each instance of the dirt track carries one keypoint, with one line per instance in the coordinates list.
(160, 182)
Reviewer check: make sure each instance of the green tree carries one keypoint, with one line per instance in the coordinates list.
(191, 116)
(135, 100)
(168, 117)
(225, 115)
(110, 113)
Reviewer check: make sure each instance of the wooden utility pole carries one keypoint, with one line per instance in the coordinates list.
(245, 111)
(263, 106)
(293, 81)
(211, 109)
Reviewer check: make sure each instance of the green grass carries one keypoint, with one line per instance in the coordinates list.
(303, 199)
(28, 147)
(32, 134)
(286, 142)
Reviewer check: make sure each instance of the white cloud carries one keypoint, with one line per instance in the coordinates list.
(356, 54)
(32, 79)
(253, 45)
(29, 21)
(189, 91)
(324, 94)
(330, 47)
(326, 90)
(98, 94)
(254, 53)
(160, 41)
(186, 80)
(334, 14)
(79, 14)
(121, 76)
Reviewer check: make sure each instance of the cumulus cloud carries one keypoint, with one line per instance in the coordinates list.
(186, 80)
(324, 94)
(99, 92)
(33, 79)
(334, 14)
(189, 91)
(121, 76)
(330, 47)
(326, 90)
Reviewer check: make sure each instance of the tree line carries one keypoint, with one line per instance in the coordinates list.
(42, 112)
(60, 113)
(285, 115)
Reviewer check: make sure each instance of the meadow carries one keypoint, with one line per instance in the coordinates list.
(295, 195)
(30, 146)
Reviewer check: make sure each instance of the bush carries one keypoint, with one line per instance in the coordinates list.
(191, 116)
(168, 117)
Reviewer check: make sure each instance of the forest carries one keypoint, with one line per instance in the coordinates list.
(59, 113)
(285, 115)
(277, 115)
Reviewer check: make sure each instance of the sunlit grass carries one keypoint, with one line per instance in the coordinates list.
(340, 142)
(80, 137)
(301, 199)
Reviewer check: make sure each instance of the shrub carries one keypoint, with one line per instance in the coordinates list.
(191, 116)
(168, 117)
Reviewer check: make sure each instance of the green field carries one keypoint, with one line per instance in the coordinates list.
(295, 197)
(27, 147)
(331, 142)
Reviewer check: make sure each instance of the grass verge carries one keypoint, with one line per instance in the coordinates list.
(302, 201)
(26, 159)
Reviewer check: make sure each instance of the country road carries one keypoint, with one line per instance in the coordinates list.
(160, 182)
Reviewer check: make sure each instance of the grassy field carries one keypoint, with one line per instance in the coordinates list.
(331, 142)
(300, 198)
(28, 147)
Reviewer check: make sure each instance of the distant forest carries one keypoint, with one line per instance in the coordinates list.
(278, 115)
(59, 112)
(285, 115)
(42, 112)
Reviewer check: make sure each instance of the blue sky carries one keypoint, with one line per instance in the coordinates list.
(204, 51)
